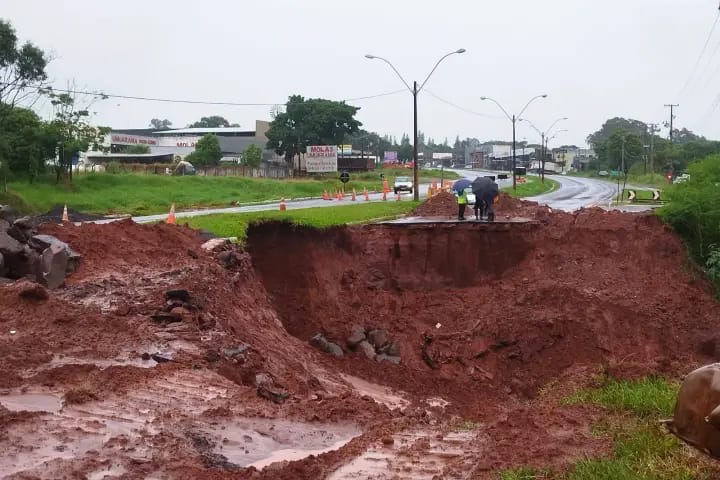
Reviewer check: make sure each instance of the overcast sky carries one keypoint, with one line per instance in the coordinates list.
(595, 59)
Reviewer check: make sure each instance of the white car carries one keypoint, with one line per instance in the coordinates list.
(403, 184)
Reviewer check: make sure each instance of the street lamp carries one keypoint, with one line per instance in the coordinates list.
(513, 119)
(543, 136)
(414, 90)
(547, 140)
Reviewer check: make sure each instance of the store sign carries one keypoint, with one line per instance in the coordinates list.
(321, 158)
(344, 150)
(122, 139)
(390, 156)
(178, 141)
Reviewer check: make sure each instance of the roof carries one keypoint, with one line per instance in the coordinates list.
(203, 131)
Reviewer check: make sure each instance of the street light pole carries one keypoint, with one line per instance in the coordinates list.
(543, 137)
(414, 91)
(513, 119)
(416, 183)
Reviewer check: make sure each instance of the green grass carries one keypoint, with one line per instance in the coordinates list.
(644, 398)
(532, 187)
(138, 194)
(642, 449)
(235, 225)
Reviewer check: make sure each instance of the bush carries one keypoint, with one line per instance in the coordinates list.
(114, 167)
(694, 208)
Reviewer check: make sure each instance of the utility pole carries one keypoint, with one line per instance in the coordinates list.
(542, 157)
(653, 129)
(672, 117)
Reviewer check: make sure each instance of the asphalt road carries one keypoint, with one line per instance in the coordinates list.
(574, 193)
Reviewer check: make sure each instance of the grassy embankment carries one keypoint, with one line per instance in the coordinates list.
(136, 194)
(532, 187)
(642, 449)
(235, 225)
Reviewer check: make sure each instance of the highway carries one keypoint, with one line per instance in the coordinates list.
(574, 193)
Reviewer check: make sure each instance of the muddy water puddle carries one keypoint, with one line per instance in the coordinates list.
(31, 402)
(380, 393)
(415, 454)
(259, 442)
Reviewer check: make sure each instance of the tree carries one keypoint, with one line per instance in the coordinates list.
(24, 143)
(158, 124)
(135, 149)
(71, 130)
(252, 156)
(207, 151)
(634, 127)
(22, 68)
(405, 152)
(313, 121)
(214, 121)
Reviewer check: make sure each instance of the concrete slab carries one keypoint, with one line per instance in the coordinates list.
(448, 220)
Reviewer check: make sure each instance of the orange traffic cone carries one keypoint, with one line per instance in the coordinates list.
(353, 198)
(384, 197)
(339, 195)
(365, 193)
(171, 216)
(283, 207)
(325, 195)
(397, 197)
(65, 217)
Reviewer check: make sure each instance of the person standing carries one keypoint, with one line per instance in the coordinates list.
(462, 201)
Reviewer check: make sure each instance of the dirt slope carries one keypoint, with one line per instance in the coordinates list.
(484, 316)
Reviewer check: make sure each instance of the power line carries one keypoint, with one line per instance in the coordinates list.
(479, 114)
(702, 53)
(192, 102)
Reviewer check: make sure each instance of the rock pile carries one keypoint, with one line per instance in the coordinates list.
(25, 254)
(374, 344)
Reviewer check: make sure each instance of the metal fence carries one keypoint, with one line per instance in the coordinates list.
(241, 171)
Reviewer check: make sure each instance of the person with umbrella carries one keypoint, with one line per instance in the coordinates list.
(459, 188)
(485, 190)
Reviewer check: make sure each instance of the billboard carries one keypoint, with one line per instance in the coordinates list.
(390, 156)
(123, 139)
(344, 150)
(321, 158)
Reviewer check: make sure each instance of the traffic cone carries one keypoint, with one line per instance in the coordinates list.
(354, 197)
(325, 195)
(171, 216)
(397, 197)
(365, 193)
(339, 196)
(283, 207)
(65, 217)
(384, 197)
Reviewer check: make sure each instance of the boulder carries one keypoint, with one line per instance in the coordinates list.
(24, 222)
(321, 343)
(7, 214)
(8, 245)
(214, 244)
(4, 225)
(52, 266)
(378, 338)
(357, 335)
(18, 234)
(387, 358)
(393, 349)
(367, 349)
(334, 349)
(263, 380)
(42, 242)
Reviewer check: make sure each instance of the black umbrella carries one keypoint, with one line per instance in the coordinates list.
(484, 187)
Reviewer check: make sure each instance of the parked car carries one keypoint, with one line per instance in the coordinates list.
(403, 184)
(682, 178)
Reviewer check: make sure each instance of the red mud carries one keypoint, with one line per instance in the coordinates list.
(485, 317)
(444, 204)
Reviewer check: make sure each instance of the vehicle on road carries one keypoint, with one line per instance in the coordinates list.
(403, 184)
(682, 178)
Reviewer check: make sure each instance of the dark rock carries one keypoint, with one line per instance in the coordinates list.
(263, 380)
(357, 335)
(393, 349)
(378, 338)
(8, 245)
(33, 291)
(7, 214)
(160, 358)
(25, 223)
(387, 358)
(367, 349)
(43, 242)
(178, 294)
(334, 349)
(235, 351)
(192, 254)
(229, 259)
(145, 356)
(165, 317)
(53, 266)
(387, 440)
(277, 397)
(18, 234)
(212, 356)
